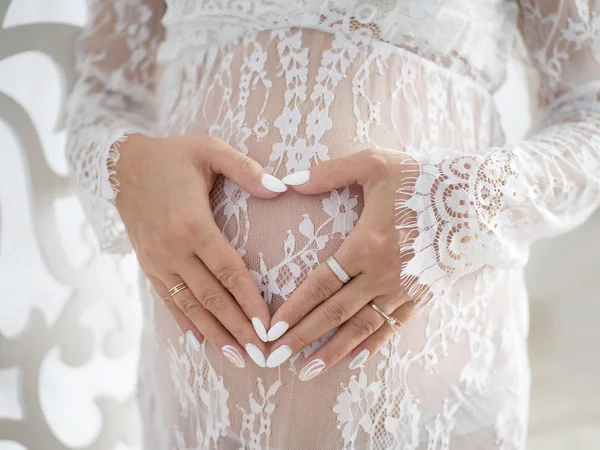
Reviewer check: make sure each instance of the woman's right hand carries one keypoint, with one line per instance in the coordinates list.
(163, 200)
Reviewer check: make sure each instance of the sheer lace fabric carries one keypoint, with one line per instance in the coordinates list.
(295, 83)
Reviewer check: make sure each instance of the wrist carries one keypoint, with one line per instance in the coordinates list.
(124, 151)
(118, 159)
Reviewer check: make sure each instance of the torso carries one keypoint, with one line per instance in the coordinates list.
(290, 98)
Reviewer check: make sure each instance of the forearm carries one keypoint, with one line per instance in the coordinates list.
(113, 97)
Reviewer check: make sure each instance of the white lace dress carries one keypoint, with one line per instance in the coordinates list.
(295, 82)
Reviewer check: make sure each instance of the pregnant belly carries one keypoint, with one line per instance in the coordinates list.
(292, 98)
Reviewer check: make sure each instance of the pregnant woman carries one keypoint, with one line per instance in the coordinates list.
(331, 229)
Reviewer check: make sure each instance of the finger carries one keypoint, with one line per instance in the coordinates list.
(374, 343)
(318, 286)
(202, 321)
(207, 294)
(362, 325)
(340, 307)
(243, 171)
(183, 323)
(357, 168)
(227, 266)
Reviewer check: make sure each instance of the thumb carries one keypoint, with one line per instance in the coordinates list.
(244, 171)
(357, 168)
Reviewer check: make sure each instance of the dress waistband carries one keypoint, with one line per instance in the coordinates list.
(188, 40)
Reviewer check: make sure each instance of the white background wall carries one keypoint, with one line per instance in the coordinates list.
(67, 348)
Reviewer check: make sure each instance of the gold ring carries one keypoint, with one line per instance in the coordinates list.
(177, 288)
(391, 320)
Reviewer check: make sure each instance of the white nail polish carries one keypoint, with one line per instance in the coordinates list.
(257, 356)
(192, 339)
(296, 178)
(260, 329)
(277, 330)
(233, 355)
(311, 370)
(359, 359)
(279, 356)
(273, 184)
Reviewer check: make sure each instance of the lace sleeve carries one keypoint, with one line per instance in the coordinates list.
(112, 98)
(486, 208)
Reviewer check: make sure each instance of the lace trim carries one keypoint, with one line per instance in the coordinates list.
(112, 159)
(111, 163)
(104, 217)
(449, 211)
(420, 285)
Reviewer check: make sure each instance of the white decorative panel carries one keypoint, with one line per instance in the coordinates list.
(10, 393)
(69, 317)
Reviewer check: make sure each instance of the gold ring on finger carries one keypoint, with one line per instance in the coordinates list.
(177, 288)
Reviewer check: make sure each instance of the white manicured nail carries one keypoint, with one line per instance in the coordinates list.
(279, 356)
(311, 370)
(273, 184)
(277, 330)
(192, 339)
(260, 329)
(232, 354)
(257, 356)
(359, 359)
(296, 178)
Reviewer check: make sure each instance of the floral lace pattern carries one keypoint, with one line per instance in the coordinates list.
(293, 83)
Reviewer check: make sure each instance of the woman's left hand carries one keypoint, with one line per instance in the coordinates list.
(370, 256)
